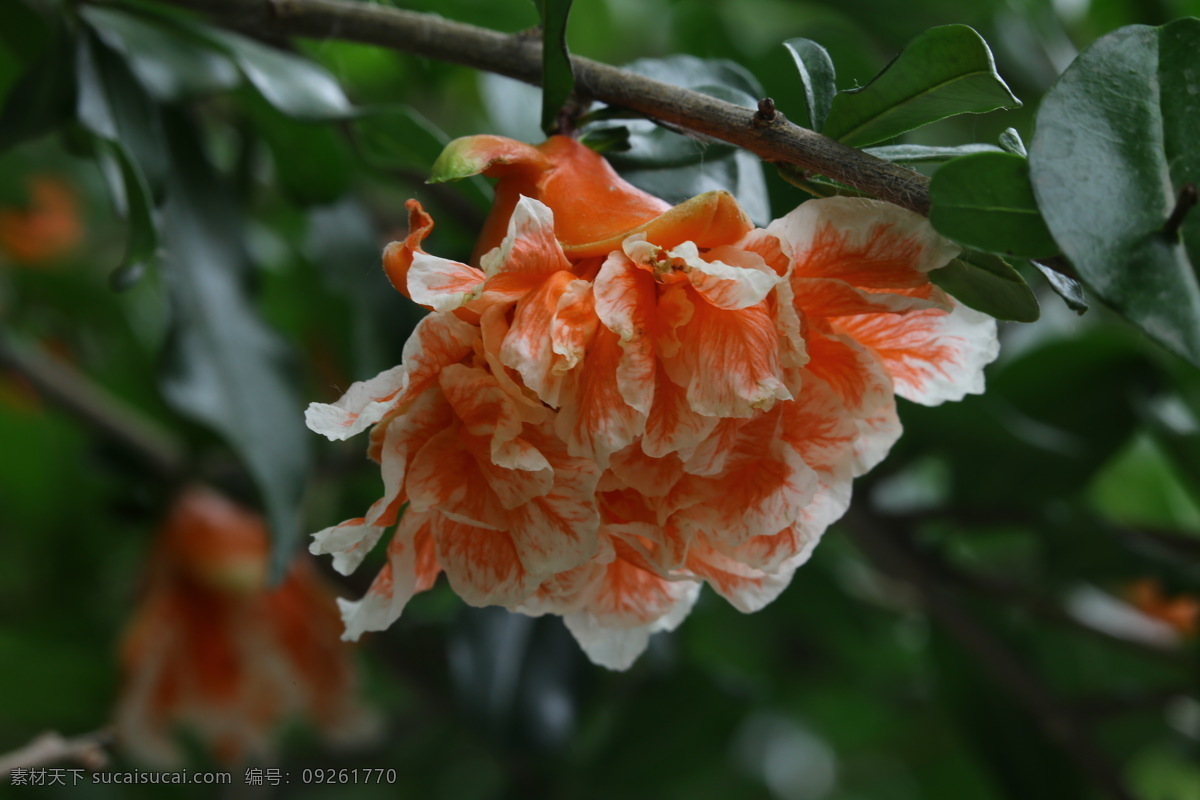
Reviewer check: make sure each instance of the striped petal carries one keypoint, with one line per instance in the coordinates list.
(411, 567)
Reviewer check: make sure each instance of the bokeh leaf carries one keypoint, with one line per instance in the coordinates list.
(989, 284)
(131, 199)
(1115, 142)
(312, 160)
(223, 366)
(945, 71)
(296, 86)
(170, 64)
(42, 98)
(557, 78)
(817, 76)
(985, 201)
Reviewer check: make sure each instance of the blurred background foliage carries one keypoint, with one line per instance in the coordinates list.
(202, 253)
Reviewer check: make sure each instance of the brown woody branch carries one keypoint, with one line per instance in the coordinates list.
(519, 56)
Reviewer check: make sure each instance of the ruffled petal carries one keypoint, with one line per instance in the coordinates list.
(626, 302)
(549, 335)
(933, 356)
(865, 243)
(594, 419)
(411, 567)
(442, 284)
(483, 566)
(398, 256)
(437, 341)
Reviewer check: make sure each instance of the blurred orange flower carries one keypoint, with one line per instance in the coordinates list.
(1181, 612)
(620, 400)
(45, 231)
(216, 652)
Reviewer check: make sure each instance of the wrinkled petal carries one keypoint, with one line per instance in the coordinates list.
(437, 341)
(483, 566)
(442, 284)
(933, 356)
(411, 568)
(865, 243)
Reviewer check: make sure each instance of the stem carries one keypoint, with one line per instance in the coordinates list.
(520, 57)
(76, 394)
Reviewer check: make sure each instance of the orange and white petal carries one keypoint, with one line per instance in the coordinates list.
(529, 252)
(932, 356)
(651, 477)
(594, 419)
(411, 567)
(557, 531)
(866, 243)
(729, 361)
(850, 369)
(747, 589)
(673, 425)
(630, 606)
(762, 490)
(363, 404)
(442, 284)
(626, 301)
(438, 340)
(550, 330)
(794, 544)
(493, 325)
(444, 476)
(488, 412)
(831, 297)
(348, 542)
(398, 256)
(483, 566)
(744, 281)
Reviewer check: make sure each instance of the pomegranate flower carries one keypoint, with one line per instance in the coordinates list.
(619, 401)
(212, 650)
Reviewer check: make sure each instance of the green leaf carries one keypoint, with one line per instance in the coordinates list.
(817, 76)
(1114, 143)
(923, 153)
(1011, 142)
(131, 200)
(1069, 289)
(989, 284)
(739, 174)
(294, 85)
(23, 30)
(985, 201)
(42, 98)
(112, 105)
(312, 161)
(224, 367)
(945, 71)
(170, 63)
(401, 138)
(557, 78)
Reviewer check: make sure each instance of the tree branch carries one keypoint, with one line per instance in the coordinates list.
(76, 394)
(1058, 721)
(518, 56)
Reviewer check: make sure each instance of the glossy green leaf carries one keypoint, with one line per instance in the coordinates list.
(296, 86)
(984, 201)
(223, 366)
(1066, 287)
(989, 284)
(1115, 142)
(945, 71)
(558, 80)
(927, 154)
(171, 64)
(817, 77)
